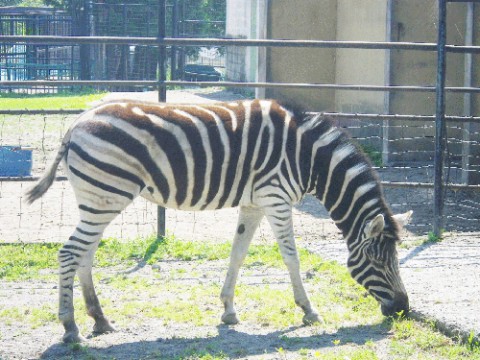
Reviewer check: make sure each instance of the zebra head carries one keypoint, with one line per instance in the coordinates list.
(373, 263)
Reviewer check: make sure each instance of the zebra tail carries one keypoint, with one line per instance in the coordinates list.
(46, 180)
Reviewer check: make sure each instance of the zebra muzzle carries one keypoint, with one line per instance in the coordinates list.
(397, 307)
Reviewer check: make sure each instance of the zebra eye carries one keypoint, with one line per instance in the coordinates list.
(373, 254)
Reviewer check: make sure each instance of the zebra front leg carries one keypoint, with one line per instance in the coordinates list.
(248, 221)
(102, 325)
(280, 219)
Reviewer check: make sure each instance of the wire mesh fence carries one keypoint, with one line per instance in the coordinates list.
(20, 61)
(55, 215)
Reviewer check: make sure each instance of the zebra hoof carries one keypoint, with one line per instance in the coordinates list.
(230, 319)
(73, 337)
(103, 326)
(311, 318)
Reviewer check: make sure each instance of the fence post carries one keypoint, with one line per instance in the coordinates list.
(85, 29)
(173, 49)
(440, 128)
(162, 95)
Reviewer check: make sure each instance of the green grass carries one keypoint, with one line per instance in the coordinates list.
(429, 240)
(26, 261)
(374, 155)
(64, 101)
(183, 288)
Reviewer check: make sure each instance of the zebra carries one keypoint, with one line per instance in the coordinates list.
(259, 155)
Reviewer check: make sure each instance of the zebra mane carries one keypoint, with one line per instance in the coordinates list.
(320, 124)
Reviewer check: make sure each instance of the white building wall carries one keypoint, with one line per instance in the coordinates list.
(246, 19)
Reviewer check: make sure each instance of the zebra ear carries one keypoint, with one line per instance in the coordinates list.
(403, 219)
(375, 227)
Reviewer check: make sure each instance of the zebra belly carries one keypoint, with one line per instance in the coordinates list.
(216, 203)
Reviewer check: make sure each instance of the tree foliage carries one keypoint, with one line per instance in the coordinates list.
(21, 3)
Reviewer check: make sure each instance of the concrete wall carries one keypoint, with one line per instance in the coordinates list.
(417, 21)
(328, 20)
(366, 21)
(241, 23)
(411, 20)
(302, 19)
(375, 20)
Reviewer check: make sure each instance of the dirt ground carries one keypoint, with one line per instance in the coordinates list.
(442, 278)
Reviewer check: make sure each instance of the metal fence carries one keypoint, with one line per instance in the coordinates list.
(40, 61)
(441, 181)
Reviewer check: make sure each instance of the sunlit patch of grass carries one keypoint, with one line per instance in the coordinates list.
(32, 317)
(185, 290)
(64, 101)
(151, 250)
(167, 300)
(341, 354)
(25, 261)
(201, 354)
(267, 306)
(420, 341)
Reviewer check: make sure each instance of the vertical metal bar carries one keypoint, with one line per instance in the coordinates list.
(173, 49)
(162, 52)
(467, 97)
(263, 7)
(125, 48)
(162, 96)
(440, 119)
(387, 81)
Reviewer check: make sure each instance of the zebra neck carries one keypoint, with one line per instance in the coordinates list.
(351, 206)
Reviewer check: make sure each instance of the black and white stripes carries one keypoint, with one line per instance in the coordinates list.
(258, 155)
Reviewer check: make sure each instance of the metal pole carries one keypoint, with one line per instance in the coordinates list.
(440, 119)
(162, 96)
(387, 82)
(173, 49)
(468, 128)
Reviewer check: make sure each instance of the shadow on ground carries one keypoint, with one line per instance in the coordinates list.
(228, 342)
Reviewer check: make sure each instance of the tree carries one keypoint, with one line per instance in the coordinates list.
(34, 3)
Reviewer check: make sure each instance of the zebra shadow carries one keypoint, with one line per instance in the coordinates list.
(227, 343)
(312, 206)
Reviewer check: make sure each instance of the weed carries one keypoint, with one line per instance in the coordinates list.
(373, 154)
(433, 238)
(473, 342)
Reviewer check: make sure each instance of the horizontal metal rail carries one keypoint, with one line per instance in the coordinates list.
(42, 112)
(154, 83)
(168, 41)
(383, 117)
(409, 88)
(388, 184)
(106, 83)
(357, 116)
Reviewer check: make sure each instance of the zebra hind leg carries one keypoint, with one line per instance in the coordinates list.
(280, 219)
(76, 256)
(248, 221)
(102, 325)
